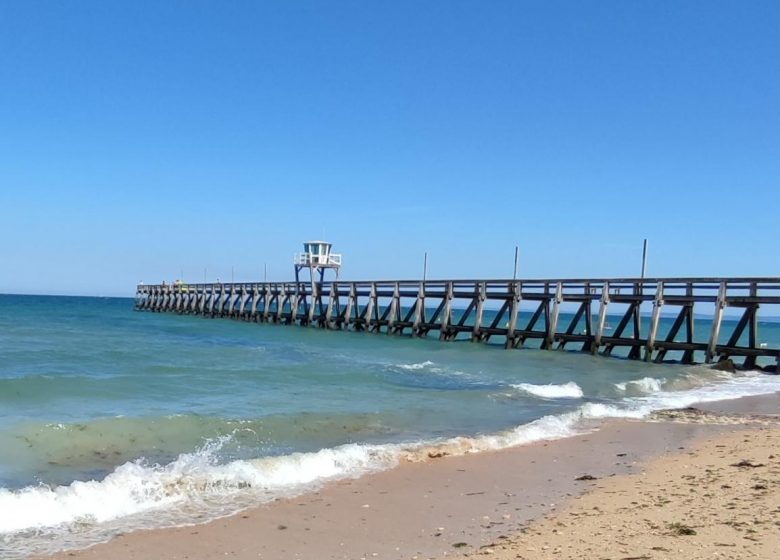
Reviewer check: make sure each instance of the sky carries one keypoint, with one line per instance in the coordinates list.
(153, 140)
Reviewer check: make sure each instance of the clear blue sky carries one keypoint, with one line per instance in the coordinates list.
(142, 139)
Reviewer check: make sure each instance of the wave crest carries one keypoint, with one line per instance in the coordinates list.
(568, 390)
(643, 386)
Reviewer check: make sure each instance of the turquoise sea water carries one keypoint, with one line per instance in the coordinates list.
(112, 419)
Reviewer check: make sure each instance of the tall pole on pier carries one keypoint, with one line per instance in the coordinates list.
(514, 274)
(644, 258)
(232, 275)
(265, 272)
(204, 274)
(425, 266)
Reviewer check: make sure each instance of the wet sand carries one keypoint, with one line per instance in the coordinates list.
(719, 500)
(493, 502)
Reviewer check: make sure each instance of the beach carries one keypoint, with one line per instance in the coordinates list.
(718, 499)
(630, 489)
(165, 434)
(395, 281)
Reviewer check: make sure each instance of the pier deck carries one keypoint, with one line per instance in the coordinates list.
(563, 314)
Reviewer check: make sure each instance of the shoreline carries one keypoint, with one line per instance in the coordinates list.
(717, 499)
(442, 506)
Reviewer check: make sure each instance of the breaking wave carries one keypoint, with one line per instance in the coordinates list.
(645, 385)
(196, 487)
(568, 390)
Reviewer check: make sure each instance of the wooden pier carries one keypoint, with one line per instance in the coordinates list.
(654, 319)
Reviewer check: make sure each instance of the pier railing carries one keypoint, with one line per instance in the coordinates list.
(629, 315)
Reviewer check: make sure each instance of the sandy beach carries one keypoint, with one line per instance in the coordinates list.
(662, 488)
(718, 500)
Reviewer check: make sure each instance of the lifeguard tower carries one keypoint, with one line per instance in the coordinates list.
(317, 258)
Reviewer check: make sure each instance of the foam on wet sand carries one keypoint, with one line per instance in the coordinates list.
(494, 502)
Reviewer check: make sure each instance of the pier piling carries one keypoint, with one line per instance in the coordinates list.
(493, 311)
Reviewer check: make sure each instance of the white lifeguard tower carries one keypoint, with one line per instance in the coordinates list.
(317, 258)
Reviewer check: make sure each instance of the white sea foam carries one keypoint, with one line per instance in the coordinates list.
(416, 366)
(134, 487)
(568, 390)
(725, 386)
(195, 487)
(642, 386)
(728, 387)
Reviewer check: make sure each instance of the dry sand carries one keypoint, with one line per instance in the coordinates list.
(509, 503)
(719, 500)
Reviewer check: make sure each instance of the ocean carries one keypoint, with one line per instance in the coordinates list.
(113, 420)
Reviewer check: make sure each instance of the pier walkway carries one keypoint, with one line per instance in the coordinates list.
(652, 319)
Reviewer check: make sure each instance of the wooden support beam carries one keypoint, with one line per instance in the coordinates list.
(230, 300)
(476, 333)
(499, 314)
(514, 309)
(586, 346)
(281, 301)
(419, 312)
(552, 326)
(314, 296)
(690, 325)
(267, 302)
(635, 352)
(658, 303)
(720, 305)
(295, 304)
(221, 301)
(602, 318)
(370, 306)
(466, 313)
(351, 299)
(618, 333)
(446, 318)
(753, 343)
(542, 307)
(241, 301)
(332, 297)
(255, 301)
(394, 314)
(573, 324)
